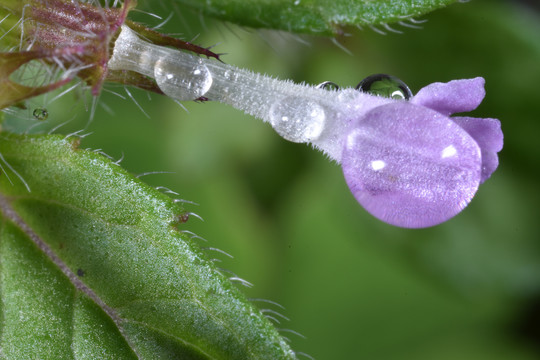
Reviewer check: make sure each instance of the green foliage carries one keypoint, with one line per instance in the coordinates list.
(318, 17)
(116, 277)
(467, 289)
(357, 288)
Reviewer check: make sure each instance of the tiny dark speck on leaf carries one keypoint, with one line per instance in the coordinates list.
(183, 218)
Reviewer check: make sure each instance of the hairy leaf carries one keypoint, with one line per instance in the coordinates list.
(318, 17)
(94, 264)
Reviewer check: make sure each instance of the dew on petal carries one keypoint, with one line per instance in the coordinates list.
(411, 166)
(385, 85)
(328, 85)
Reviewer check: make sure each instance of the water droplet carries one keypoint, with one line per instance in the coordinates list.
(297, 119)
(328, 85)
(41, 114)
(385, 85)
(182, 82)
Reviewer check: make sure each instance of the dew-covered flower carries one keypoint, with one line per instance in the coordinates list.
(412, 165)
(405, 158)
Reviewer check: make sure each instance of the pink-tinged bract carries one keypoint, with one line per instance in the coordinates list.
(411, 166)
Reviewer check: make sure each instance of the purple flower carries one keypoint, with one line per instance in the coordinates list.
(412, 165)
(407, 162)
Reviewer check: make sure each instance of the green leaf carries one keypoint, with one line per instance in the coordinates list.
(318, 17)
(94, 265)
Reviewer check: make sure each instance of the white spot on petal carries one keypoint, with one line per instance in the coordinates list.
(448, 151)
(378, 165)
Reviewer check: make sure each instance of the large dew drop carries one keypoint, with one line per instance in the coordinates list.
(411, 166)
(182, 81)
(385, 85)
(297, 119)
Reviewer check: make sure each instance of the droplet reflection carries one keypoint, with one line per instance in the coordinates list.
(385, 85)
(328, 85)
(40, 114)
(182, 82)
(297, 119)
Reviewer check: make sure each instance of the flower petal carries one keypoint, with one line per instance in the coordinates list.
(411, 166)
(488, 134)
(452, 97)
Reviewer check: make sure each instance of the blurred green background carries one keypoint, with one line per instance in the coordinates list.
(357, 288)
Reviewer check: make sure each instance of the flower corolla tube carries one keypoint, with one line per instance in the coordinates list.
(404, 158)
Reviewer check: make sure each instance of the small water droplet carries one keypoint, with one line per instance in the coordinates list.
(328, 85)
(41, 114)
(385, 85)
(297, 119)
(182, 82)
